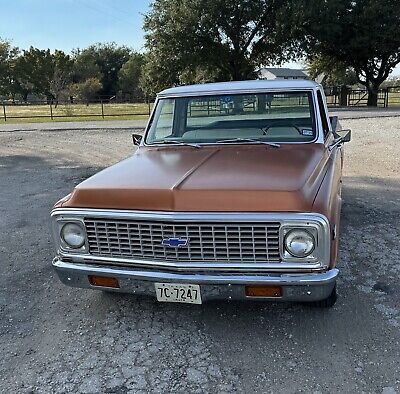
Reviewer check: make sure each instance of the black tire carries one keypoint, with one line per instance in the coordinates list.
(327, 302)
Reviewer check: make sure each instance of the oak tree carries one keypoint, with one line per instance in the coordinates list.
(8, 54)
(206, 40)
(129, 75)
(105, 61)
(362, 34)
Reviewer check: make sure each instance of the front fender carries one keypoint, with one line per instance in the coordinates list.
(328, 200)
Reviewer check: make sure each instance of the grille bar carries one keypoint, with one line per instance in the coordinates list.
(208, 241)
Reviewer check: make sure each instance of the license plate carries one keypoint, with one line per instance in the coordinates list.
(176, 292)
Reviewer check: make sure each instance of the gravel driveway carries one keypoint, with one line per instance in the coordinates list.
(55, 339)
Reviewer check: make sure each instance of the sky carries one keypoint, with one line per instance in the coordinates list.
(69, 24)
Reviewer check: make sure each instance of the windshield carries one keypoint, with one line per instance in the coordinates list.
(270, 117)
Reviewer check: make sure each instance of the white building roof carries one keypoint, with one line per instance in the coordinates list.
(238, 87)
(282, 72)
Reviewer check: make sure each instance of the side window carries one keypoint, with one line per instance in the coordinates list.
(163, 127)
(324, 119)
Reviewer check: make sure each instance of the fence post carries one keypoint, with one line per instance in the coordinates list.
(148, 103)
(387, 97)
(102, 109)
(4, 112)
(51, 110)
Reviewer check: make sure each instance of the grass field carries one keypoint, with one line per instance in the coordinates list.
(74, 112)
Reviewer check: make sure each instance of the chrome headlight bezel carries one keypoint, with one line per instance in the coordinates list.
(58, 224)
(319, 229)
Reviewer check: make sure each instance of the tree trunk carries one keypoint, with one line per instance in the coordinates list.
(344, 94)
(237, 105)
(372, 98)
(261, 103)
(372, 94)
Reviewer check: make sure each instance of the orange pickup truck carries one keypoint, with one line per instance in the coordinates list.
(233, 193)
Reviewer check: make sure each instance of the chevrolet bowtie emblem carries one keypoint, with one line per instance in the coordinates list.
(175, 242)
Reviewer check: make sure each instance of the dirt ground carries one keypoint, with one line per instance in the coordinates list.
(55, 339)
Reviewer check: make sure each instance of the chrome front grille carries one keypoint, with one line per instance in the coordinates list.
(208, 242)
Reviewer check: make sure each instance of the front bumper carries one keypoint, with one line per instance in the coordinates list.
(214, 286)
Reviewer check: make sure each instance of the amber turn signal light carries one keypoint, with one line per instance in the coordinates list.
(264, 291)
(103, 281)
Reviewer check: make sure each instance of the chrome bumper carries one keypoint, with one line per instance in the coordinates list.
(295, 287)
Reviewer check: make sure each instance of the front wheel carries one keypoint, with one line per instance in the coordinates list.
(327, 302)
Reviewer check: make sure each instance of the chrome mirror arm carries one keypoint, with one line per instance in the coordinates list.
(335, 143)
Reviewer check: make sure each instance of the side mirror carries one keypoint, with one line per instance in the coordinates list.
(341, 137)
(136, 139)
(344, 135)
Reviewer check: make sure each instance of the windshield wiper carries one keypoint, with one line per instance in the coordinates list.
(253, 140)
(176, 142)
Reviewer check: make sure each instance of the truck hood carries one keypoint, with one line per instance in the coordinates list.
(251, 178)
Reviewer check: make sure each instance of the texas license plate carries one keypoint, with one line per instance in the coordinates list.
(176, 292)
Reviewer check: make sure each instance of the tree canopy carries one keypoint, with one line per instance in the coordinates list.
(101, 69)
(330, 72)
(361, 34)
(203, 40)
(129, 75)
(8, 55)
(107, 60)
(41, 72)
(192, 41)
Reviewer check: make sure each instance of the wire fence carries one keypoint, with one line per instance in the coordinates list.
(51, 110)
(346, 97)
(139, 107)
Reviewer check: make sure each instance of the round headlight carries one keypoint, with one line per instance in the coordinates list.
(299, 243)
(73, 235)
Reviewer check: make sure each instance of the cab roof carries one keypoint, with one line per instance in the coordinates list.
(231, 87)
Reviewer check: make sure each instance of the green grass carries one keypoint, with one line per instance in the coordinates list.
(74, 112)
